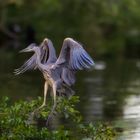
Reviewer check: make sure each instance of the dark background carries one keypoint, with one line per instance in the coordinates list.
(108, 28)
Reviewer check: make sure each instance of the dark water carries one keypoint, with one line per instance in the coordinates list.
(109, 93)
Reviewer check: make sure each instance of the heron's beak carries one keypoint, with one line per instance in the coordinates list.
(29, 48)
(25, 50)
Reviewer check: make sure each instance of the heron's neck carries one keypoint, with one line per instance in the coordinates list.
(51, 53)
(38, 60)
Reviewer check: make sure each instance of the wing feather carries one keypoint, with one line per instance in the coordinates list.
(31, 62)
(28, 65)
(74, 56)
(87, 58)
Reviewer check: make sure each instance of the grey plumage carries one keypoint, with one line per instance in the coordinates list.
(59, 73)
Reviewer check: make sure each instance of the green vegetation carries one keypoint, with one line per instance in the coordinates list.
(18, 122)
(106, 27)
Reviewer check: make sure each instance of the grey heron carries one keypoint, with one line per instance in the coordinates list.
(59, 73)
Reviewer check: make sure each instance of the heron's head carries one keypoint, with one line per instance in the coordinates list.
(47, 42)
(30, 48)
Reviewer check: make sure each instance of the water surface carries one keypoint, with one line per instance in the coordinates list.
(108, 93)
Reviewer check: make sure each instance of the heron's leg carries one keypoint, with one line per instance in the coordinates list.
(36, 111)
(45, 94)
(54, 98)
(44, 100)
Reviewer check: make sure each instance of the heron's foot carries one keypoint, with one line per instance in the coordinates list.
(33, 115)
(39, 108)
(31, 119)
(42, 106)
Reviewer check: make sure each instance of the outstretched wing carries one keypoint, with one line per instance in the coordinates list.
(73, 57)
(31, 62)
(28, 65)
